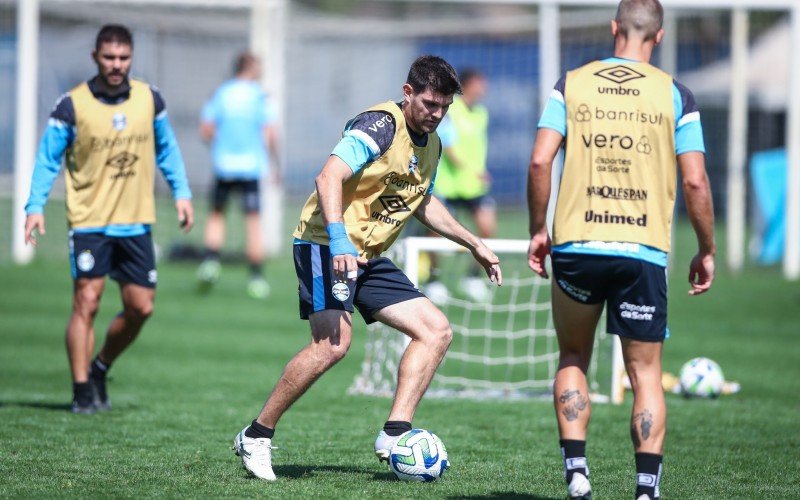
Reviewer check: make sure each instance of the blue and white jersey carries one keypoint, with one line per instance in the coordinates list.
(60, 134)
(688, 138)
(239, 110)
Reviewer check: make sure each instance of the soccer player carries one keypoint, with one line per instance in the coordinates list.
(627, 127)
(378, 176)
(462, 179)
(114, 131)
(239, 121)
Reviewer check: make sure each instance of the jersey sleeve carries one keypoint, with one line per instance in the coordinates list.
(158, 101)
(554, 115)
(57, 138)
(269, 113)
(447, 132)
(168, 154)
(365, 138)
(688, 128)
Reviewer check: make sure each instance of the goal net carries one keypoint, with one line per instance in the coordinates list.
(504, 343)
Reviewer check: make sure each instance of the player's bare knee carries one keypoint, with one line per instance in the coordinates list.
(86, 302)
(139, 311)
(577, 358)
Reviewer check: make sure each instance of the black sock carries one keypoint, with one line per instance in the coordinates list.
(255, 270)
(396, 427)
(211, 254)
(99, 369)
(574, 453)
(257, 430)
(648, 474)
(82, 393)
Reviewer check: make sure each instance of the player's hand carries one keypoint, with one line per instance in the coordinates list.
(345, 256)
(34, 222)
(701, 273)
(346, 266)
(490, 263)
(538, 251)
(185, 214)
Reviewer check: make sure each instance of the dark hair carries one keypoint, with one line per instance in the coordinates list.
(243, 62)
(467, 74)
(434, 73)
(643, 17)
(113, 33)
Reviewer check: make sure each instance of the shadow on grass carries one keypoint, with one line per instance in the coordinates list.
(505, 494)
(308, 471)
(38, 405)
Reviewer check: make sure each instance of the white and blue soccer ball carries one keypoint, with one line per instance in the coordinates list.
(701, 377)
(418, 455)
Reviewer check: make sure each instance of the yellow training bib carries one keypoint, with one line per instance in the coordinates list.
(619, 173)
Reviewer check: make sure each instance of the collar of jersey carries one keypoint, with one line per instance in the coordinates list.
(620, 60)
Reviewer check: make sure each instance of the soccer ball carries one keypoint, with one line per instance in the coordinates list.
(418, 455)
(701, 377)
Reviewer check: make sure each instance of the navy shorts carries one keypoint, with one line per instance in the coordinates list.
(484, 202)
(251, 199)
(379, 284)
(634, 291)
(128, 259)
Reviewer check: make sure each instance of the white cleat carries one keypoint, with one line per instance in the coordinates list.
(644, 497)
(256, 455)
(579, 487)
(383, 446)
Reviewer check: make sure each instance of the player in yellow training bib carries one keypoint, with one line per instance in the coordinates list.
(378, 176)
(627, 127)
(114, 131)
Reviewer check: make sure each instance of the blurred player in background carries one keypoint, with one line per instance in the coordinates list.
(114, 131)
(379, 175)
(462, 179)
(239, 121)
(624, 123)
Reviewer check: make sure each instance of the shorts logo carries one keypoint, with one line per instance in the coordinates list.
(119, 121)
(340, 291)
(637, 312)
(85, 261)
(152, 276)
(412, 164)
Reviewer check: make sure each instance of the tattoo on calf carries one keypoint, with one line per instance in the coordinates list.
(645, 421)
(567, 395)
(578, 403)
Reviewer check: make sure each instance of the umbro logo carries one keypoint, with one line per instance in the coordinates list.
(394, 203)
(619, 74)
(123, 161)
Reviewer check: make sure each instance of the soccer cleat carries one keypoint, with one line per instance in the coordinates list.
(208, 274)
(258, 288)
(99, 394)
(82, 407)
(256, 454)
(383, 446)
(644, 497)
(579, 488)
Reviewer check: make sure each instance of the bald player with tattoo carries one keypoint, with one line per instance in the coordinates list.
(627, 127)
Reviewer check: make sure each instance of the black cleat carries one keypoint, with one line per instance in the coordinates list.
(99, 394)
(83, 407)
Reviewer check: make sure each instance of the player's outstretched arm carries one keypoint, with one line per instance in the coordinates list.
(700, 207)
(548, 141)
(329, 191)
(436, 217)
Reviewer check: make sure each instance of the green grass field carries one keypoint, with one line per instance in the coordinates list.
(204, 364)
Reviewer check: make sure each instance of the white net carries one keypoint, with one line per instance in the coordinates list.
(504, 344)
